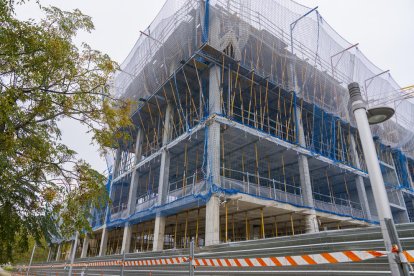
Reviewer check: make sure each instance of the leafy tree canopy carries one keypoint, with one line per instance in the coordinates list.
(45, 190)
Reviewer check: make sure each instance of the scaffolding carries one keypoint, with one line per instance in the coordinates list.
(241, 101)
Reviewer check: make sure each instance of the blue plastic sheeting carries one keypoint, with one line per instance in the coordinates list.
(97, 214)
(204, 37)
(108, 183)
(197, 200)
(410, 163)
(183, 203)
(324, 140)
(400, 161)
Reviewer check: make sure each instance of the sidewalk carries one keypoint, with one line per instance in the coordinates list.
(3, 272)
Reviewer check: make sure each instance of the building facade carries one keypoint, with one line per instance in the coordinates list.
(243, 131)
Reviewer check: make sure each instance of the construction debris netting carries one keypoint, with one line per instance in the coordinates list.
(262, 35)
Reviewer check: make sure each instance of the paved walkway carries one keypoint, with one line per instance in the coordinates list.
(3, 272)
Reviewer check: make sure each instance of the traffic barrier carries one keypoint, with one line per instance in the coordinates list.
(310, 259)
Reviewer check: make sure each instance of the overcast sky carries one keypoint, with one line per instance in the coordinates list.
(384, 30)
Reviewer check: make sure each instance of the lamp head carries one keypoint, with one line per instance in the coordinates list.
(379, 114)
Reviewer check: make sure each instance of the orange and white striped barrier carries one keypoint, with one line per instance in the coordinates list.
(311, 259)
(165, 261)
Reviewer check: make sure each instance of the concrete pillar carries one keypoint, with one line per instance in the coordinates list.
(59, 249)
(104, 242)
(49, 254)
(159, 227)
(359, 181)
(74, 246)
(126, 239)
(85, 246)
(159, 232)
(213, 160)
(311, 221)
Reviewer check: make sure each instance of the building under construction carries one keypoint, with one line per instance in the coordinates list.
(243, 131)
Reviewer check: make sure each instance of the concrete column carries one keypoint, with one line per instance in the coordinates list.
(74, 245)
(159, 227)
(59, 249)
(104, 242)
(126, 239)
(49, 254)
(359, 181)
(213, 160)
(159, 231)
(85, 246)
(311, 221)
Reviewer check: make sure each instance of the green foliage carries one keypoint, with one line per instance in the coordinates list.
(45, 191)
(21, 256)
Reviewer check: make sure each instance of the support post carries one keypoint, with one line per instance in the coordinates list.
(311, 221)
(73, 253)
(359, 181)
(49, 254)
(58, 252)
(104, 242)
(191, 258)
(159, 225)
(85, 246)
(126, 239)
(213, 160)
(31, 259)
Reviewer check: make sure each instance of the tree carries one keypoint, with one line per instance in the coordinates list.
(45, 191)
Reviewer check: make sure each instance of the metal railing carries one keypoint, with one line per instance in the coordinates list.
(270, 188)
(145, 201)
(119, 210)
(394, 196)
(192, 184)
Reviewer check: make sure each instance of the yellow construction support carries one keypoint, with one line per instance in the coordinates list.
(276, 234)
(247, 226)
(142, 237)
(232, 226)
(175, 231)
(226, 228)
(196, 237)
(185, 231)
(262, 223)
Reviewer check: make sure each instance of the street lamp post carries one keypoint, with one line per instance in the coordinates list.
(397, 261)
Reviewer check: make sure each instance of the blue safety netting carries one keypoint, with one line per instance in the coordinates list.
(400, 162)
